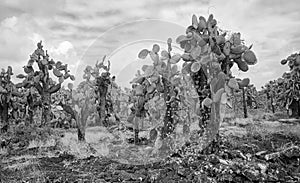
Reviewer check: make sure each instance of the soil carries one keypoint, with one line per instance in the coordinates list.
(254, 155)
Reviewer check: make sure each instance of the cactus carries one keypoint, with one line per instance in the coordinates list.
(7, 91)
(161, 77)
(246, 98)
(100, 84)
(288, 86)
(241, 84)
(208, 57)
(41, 79)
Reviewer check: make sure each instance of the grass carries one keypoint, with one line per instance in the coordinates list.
(94, 144)
(42, 143)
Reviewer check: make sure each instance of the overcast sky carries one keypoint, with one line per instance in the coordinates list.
(80, 32)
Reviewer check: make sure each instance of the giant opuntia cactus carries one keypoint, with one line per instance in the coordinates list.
(163, 77)
(100, 84)
(41, 79)
(290, 83)
(7, 91)
(208, 57)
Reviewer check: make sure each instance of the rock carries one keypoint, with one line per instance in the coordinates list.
(253, 175)
(138, 176)
(213, 159)
(292, 152)
(238, 154)
(223, 161)
(272, 156)
(260, 153)
(262, 167)
(124, 175)
(290, 120)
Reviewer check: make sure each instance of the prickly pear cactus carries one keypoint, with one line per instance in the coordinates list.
(288, 85)
(100, 85)
(41, 79)
(208, 56)
(163, 77)
(7, 92)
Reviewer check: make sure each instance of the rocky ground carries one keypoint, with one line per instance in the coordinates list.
(247, 151)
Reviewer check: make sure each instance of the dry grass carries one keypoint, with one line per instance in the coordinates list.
(27, 168)
(42, 143)
(95, 143)
(265, 128)
(3, 151)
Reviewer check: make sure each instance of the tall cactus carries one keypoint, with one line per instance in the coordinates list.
(7, 91)
(290, 84)
(163, 77)
(208, 57)
(42, 80)
(100, 84)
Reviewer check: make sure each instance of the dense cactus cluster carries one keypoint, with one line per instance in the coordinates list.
(7, 91)
(273, 91)
(290, 84)
(284, 92)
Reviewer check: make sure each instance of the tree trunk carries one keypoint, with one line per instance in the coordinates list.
(298, 108)
(210, 118)
(200, 82)
(102, 110)
(102, 92)
(81, 120)
(171, 111)
(81, 134)
(235, 109)
(46, 108)
(272, 106)
(294, 107)
(30, 108)
(244, 103)
(30, 113)
(4, 115)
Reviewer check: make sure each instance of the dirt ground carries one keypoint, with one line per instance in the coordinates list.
(257, 149)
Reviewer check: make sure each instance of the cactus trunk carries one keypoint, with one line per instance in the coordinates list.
(102, 110)
(46, 108)
(294, 107)
(102, 93)
(171, 111)
(4, 115)
(244, 103)
(210, 118)
(273, 108)
(200, 81)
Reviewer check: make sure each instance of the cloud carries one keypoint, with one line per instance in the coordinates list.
(62, 48)
(15, 40)
(271, 25)
(9, 22)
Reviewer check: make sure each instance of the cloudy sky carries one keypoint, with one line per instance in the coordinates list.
(81, 32)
